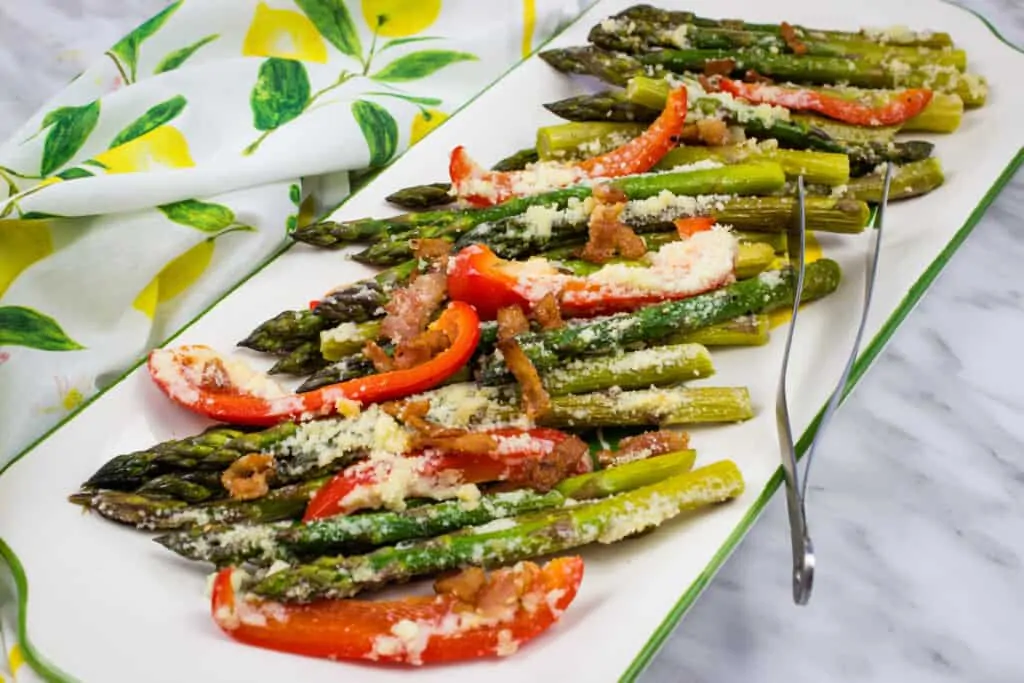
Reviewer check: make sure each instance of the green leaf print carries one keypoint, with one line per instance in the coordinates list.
(22, 326)
(69, 127)
(416, 65)
(402, 41)
(379, 128)
(126, 50)
(155, 117)
(295, 194)
(178, 57)
(203, 216)
(73, 173)
(425, 101)
(332, 19)
(280, 94)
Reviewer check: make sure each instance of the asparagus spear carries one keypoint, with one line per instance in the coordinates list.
(182, 487)
(153, 513)
(908, 180)
(743, 179)
(971, 88)
(776, 240)
(580, 140)
(302, 360)
(815, 167)
(746, 330)
(419, 197)
(605, 521)
(929, 39)
(285, 332)
(606, 106)
(639, 36)
(212, 450)
(224, 545)
(630, 370)
(770, 290)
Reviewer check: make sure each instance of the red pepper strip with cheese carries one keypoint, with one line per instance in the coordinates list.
(430, 472)
(479, 277)
(904, 105)
(483, 617)
(481, 187)
(199, 379)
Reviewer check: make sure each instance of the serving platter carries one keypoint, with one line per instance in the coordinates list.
(102, 603)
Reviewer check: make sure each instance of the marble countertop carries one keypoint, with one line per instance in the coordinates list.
(918, 522)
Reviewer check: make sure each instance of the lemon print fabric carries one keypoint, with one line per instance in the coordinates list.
(177, 163)
(283, 33)
(400, 18)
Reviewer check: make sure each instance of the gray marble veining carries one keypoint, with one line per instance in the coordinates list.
(918, 498)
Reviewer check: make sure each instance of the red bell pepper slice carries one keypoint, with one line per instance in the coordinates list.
(479, 277)
(415, 630)
(904, 105)
(638, 155)
(194, 377)
(358, 486)
(688, 227)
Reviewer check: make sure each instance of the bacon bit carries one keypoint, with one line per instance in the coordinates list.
(547, 314)
(213, 376)
(713, 132)
(544, 473)
(753, 77)
(608, 194)
(536, 401)
(421, 348)
(246, 478)
(493, 597)
(646, 445)
(608, 236)
(430, 249)
(375, 354)
(793, 41)
(719, 67)
(413, 414)
(511, 322)
(412, 306)
(689, 134)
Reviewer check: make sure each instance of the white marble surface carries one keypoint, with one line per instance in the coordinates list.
(917, 502)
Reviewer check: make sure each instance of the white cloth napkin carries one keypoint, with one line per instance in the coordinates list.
(177, 163)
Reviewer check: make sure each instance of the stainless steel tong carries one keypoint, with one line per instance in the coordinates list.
(796, 486)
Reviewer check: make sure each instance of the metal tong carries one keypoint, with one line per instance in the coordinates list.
(796, 487)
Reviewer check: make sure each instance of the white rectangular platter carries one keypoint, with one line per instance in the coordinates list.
(103, 604)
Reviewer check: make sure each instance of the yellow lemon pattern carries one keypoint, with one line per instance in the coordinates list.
(812, 252)
(177, 276)
(424, 122)
(15, 659)
(22, 243)
(529, 21)
(400, 18)
(163, 147)
(285, 34)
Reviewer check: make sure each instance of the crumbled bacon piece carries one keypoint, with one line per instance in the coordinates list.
(464, 586)
(430, 249)
(547, 314)
(420, 349)
(793, 41)
(719, 67)
(246, 478)
(375, 354)
(606, 193)
(413, 414)
(497, 596)
(412, 306)
(646, 445)
(713, 132)
(544, 473)
(511, 322)
(609, 236)
(753, 77)
(213, 376)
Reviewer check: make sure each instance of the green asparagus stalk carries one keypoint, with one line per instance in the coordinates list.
(302, 360)
(181, 487)
(746, 330)
(541, 533)
(285, 332)
(942, 115)
(894, 73)
(606, 106)
(929, 39)
(152, 513)
(630, 370)
(581, 140)
(670, 406)
(347, 339)
(419, 197)
(815, 167)
(742, 179)
(776, 240)
(909, 180)
(226, 545)
(751, 258)
(212, 450)
(770, 290)
(640, 36)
